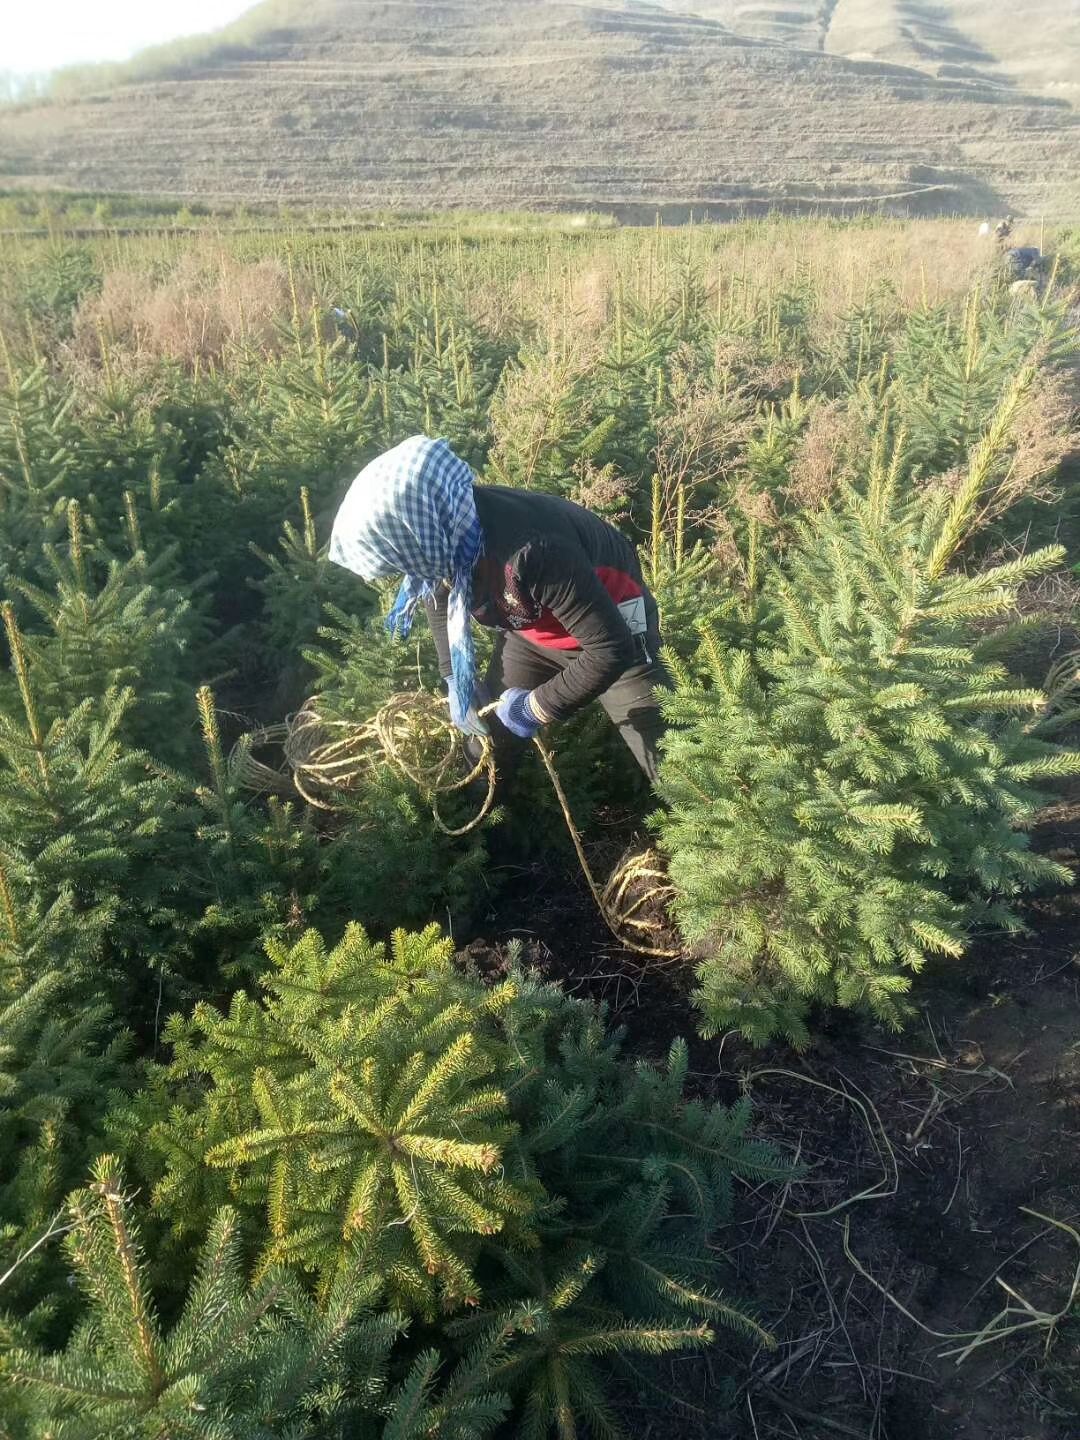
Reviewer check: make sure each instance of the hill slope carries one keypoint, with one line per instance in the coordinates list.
(544, 102)
(1030, 44)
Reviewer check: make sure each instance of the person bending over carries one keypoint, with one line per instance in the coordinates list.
(562, 588)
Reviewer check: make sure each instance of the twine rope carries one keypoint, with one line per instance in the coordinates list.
(325, 757)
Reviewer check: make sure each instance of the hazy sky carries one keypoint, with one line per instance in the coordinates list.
(45, 34)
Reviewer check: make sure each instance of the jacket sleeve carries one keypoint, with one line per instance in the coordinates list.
(436, 613)
(563, 580)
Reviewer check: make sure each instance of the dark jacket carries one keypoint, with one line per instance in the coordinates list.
(554, 574)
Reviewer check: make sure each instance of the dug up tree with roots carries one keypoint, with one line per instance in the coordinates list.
(849, 797)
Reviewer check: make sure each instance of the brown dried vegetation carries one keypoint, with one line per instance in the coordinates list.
(204, 305)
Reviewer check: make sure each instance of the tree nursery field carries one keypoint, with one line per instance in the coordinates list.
(329, 1110)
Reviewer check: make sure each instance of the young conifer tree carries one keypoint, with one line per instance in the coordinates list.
(638, 1179)
(298, 580)
(307, 420)
(850, 799)
(103, 634)
(123, 442)
(544, 418)
(253, 870)
(564, 1336)
(56, 1078)
(36, 462)
(476, 1148)
(242, 1361)
(388, 830)
(952, 370)
(80, 819)
(355, 1107)
(446, 385)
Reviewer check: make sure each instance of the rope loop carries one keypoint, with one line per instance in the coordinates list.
(325, 757)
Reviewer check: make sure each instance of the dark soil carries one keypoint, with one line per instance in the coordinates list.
(923, 1154)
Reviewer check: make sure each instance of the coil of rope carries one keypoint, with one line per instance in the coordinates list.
(325, 757)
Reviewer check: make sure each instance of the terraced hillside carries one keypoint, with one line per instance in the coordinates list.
(541, 102)
(1033, 45)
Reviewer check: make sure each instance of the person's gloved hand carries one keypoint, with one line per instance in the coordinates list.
(517, 714)
(473, 723)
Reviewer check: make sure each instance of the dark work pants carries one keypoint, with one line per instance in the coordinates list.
(631, 703)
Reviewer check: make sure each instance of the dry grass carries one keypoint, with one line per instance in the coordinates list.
(824, 453)
(699, 440)
(1045, 432)
(603, 489)
(917, 262)
(202, 308)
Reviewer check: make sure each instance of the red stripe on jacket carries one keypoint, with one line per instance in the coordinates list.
(548, 633)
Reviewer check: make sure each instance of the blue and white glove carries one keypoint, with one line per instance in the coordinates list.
(472, 723)
(516, 712)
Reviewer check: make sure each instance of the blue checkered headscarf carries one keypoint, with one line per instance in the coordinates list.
(411, 512)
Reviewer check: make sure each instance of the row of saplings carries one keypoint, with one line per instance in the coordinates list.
(382, 1197)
